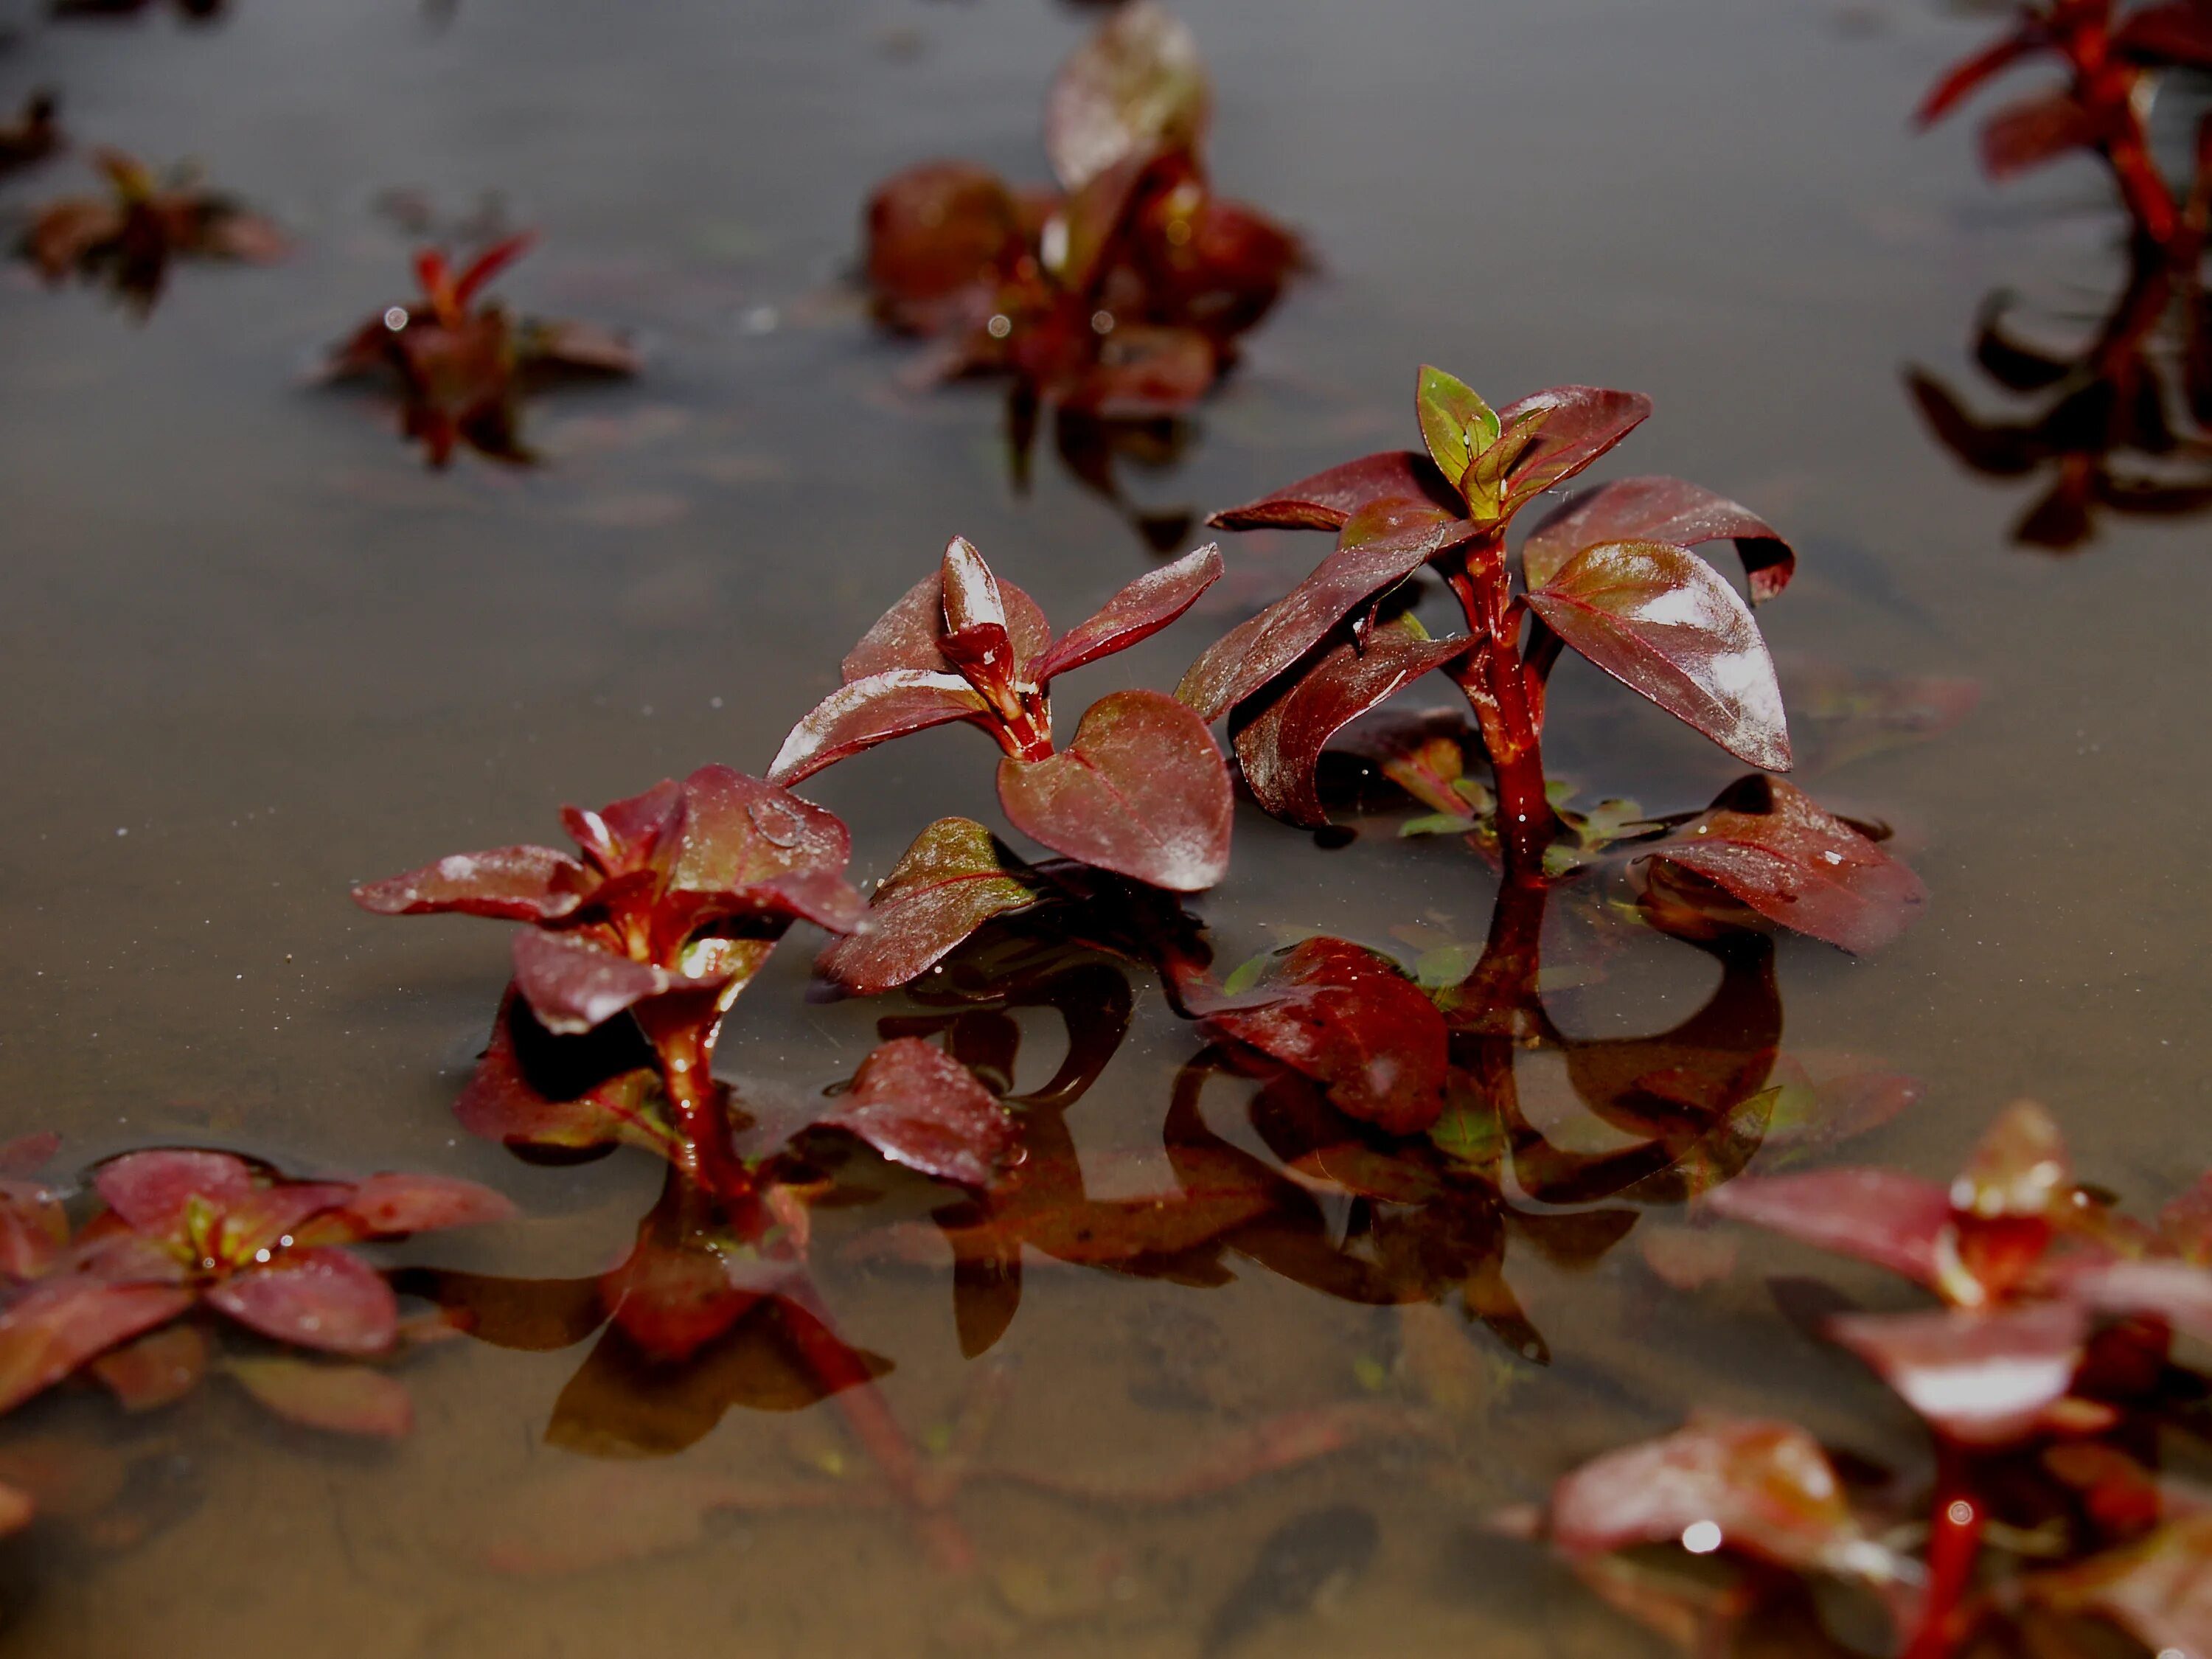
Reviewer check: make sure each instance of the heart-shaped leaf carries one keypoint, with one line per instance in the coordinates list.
(918, 1106)
(1658, 510)
(954, 877)
(1138, 611)
(1456, 423)
(1380, 545)
(1137, 87)
(1142, 792)
(864, 713)
(1326, 500)
(1351, 1020)
(1661, 620)
(1795, 865)
(1280, 745)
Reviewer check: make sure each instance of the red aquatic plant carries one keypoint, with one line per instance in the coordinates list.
(186, 1230)
(128, 237)
(1123, 296)
(32, 137)
(463, 364)
(1141, 791)
(671, 905)
(2112, 55)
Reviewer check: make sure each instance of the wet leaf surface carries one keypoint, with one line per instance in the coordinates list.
(1671, 511)
(918, 1106)
(1980, 1379)
(955, 877)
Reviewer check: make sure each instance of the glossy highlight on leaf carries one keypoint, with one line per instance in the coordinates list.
(1135, 87)
(954, 877)
(1980, 1379)
(1658, 510)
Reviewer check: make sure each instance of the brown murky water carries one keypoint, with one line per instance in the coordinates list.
(253, 652)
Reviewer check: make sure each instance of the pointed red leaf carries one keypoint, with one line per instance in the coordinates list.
(918, 1106)
(574, 985)
(1963, 78)
(1280, 748)
(1136, 87)
(1795, 865)
(864, 713)
(314, 1298)
(2033, 132)
(514, 884)
(1658, 510)
(1877, 1215)
(1350, 1020)
(490, 263)
(2158, 1589)
(337, 1398)
(150, 1190)
(741, 832)
(954, 877)
(906, 635)
(1579, 423)
(1661, 620)
(1981, 1379)
(1138, 611)
(63, 1321)
(390, 1205)
(1763, 1489)
(1142, 792)
(1327, 500)
(1382, 545)
(155, 1370)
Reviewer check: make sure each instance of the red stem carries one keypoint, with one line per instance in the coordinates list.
(683, 1038)
(1498, 687)
(1955, 1537)
(2107, 90)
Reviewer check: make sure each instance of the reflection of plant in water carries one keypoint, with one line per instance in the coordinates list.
(127, 239)
(463, 368)
(2045, 1378)
(2114, 58)
(1118, 303)
(2124, 425)
(180, 1231)
(198, 11)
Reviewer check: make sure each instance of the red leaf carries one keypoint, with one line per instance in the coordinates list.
(1848, 1099)
(1964, 77)
(388, 1206)
(1981, 1379)
(34, 1228)
(1134, 87)
(1580, 423)
(1767, 1488)
(1350, 1020)
(1327, 500)
(864, 713)
(2178, 1293)
(1138, 611)
(1877, 1215)
(1661, 620)
(1382, 545)
(740, 833)
(1795, 865)
(155, 1370)
(489, 263)
(513, 884)
(2171, 32)
(61, 1322)
(954, 877)
(918, 1106)
(150, 1190)
(504, 1103)
(2155, 1589)
(673, 1298)
(1280, 748)
(906, 635)
(574, 985)
(1142, 792)
(339, 1399)
(1658, 510)
(2034, 132)
(935, 233)
(315, 1299)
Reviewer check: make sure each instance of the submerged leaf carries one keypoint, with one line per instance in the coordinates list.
(390, 1205)
(154, 1370)
(339, 1399)
(1351, 1020)
(1142, 792)
(918, 1106)
(1661, 622)
(1767, 845)
(64, 1321)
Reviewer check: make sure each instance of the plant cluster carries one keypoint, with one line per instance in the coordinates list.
(127, 239)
